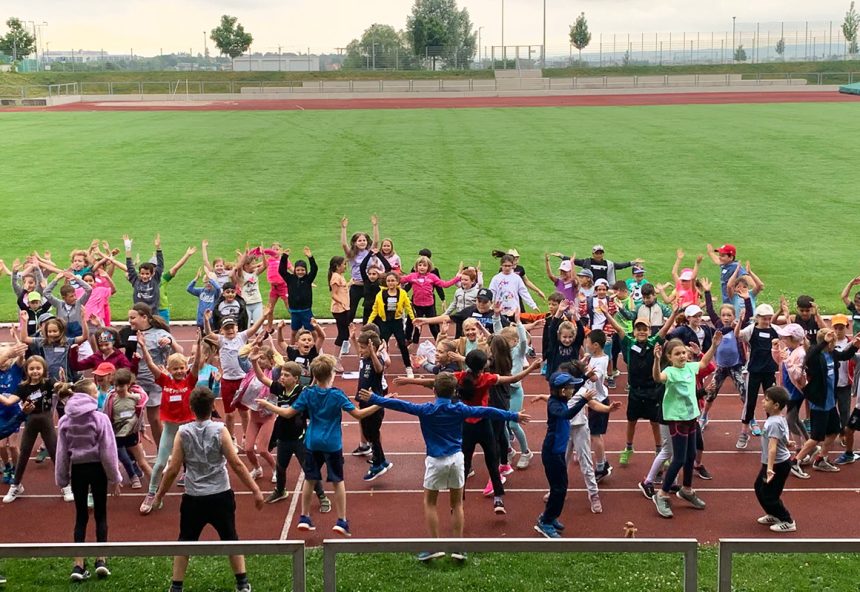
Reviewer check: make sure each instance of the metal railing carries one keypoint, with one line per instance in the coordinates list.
(731, 547)
(206, 548)
(688, 547)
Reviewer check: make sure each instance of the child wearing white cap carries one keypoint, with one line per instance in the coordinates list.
(761, 368)
(604, 269)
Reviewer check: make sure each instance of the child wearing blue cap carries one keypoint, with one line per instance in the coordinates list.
(559, 415)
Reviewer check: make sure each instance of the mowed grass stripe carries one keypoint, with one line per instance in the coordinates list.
(773, 179)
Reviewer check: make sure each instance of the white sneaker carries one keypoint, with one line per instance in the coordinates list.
(256, 473)
(68, 496)
(784, 527)
(274, 477)
(13, 494)
(525, 459)
(409, 372)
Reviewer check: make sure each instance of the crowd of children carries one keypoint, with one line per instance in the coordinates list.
(280, 388)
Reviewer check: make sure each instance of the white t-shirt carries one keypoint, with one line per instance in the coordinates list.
(598, 320)
(580, 418)
(251, 288)
(843, 379)
(599, 366)
(230, 367)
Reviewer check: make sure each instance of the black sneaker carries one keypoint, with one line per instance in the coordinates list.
(79, 574)
(101, 569)
(703, 473)
(362, 450)
(604, 473)
(647, 489)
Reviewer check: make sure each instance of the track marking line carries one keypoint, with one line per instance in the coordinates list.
(293, 503)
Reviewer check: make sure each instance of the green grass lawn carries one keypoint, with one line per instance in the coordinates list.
(517, 572)
(776, 180)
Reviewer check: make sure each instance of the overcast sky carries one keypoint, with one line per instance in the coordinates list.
(149, 26)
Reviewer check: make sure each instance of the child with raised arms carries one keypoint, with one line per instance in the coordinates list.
(206, 296)
(339, 306)
(11, 416)
(423, 282)
(124, 407)
(442, 427)
(246, 277)
(300, 285)
(761, 368)
(371, 368)
(323, 405)
(356, 250)
(176, 384)
(680, 411)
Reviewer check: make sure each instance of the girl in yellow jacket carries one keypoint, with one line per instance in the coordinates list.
(390, 306)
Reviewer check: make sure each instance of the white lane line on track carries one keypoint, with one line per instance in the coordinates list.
(515, 490)
(293, 503)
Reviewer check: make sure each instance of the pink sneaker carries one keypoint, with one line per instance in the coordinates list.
(505, 470)
(488, 490)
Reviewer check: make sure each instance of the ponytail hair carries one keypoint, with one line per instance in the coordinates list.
(154, 321)
(333, 264)
(501, 361)
(476, 361)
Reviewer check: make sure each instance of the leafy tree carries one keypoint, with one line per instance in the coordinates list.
(780, 47)
(230, 38)
(17, 42)
(740, 54)
(382, 47)
(580, 36)
(436, 29)
(849, 29)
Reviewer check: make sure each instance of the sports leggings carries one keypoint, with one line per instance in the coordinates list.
(86, 478)
(371, 428)
(38, 424)
(395, 327)
(342, 320)
(422, 311)
(683, 435)
(482, 433)
(356, 294)
(516, 429)
(165, 447)
(765, 380)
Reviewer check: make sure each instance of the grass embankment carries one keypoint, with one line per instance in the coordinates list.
(783, 68)
(514, 572)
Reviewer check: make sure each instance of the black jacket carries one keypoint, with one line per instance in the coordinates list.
(300, 292)
(241, 319)
(815, 390)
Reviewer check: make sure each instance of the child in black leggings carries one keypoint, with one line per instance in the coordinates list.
(86, 458)
(390, 307)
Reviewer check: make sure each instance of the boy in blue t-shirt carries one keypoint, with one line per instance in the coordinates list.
(11, 374)
(725, 257)
(323, 405)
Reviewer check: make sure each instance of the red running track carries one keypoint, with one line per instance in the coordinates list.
(608, 100)
(391, 506)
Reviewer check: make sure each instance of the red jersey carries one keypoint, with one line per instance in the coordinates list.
(481, 395)
(175, 398)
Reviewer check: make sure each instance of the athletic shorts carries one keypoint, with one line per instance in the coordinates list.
(229, 387)
(277, 290)
(823, 424)
(643, 408)
(443, 473)
(301, 319)
(598, 421)
(219, 510)
(854, 420)
(314, 461)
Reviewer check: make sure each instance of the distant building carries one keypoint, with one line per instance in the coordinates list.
(82, 56)
(277, 63)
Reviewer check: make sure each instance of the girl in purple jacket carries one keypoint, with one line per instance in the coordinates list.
(87, 458)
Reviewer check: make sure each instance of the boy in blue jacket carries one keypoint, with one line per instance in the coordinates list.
(442, 427)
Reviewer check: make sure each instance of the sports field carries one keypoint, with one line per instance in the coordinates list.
(774, 179)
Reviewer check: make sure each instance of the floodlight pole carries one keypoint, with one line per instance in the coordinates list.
(734, 45)
(543, 50)
(503, 31)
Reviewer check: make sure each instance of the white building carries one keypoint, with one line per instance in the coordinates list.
(277, 63)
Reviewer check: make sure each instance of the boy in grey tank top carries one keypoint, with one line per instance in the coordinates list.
(206, 448)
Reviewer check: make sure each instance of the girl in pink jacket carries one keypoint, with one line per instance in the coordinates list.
(423, 282)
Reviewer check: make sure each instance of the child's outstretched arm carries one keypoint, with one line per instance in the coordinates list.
(611, 319)
(319, 340)
(679, 256)
(655, 369)
(374, 222)
(366, 412)
(712, 254)
(520, 375)
(344, 243)
(285, 412)
(425, 382)
(670, 322)
(258, 372)
(846, 291)
(709, 355)
(552, 278)
(259, 322)
(204, 252)
(182, 260)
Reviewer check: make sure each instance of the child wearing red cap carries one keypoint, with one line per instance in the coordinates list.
(725, 257)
